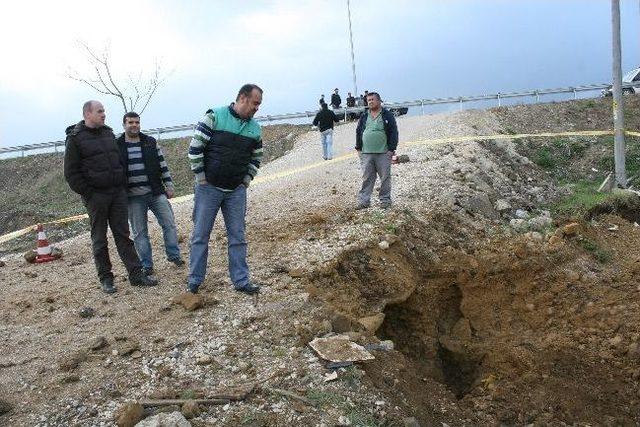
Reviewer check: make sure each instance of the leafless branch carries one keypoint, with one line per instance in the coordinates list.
(102, 80)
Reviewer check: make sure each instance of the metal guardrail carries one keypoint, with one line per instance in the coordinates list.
(418, 103)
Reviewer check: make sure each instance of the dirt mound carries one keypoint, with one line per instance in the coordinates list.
(503, 331)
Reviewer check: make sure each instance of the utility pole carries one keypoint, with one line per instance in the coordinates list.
(353, 59)
(618, 110)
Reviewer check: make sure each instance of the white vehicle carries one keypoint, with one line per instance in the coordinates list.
(632, 76)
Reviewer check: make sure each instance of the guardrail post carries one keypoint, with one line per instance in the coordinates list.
(499, 101)
(159, 133)
(460, 104)
(345, 115)
(422, 107)
(55, 147)
(537, 96)
(575, 94)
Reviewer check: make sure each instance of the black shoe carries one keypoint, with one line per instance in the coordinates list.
(249, 288)
(141, 280)
(192, 289)
(177, 261)
(385, 205)
(148, 271)
(107, 285)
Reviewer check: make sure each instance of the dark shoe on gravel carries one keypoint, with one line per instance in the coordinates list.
(360, 206)
(177, 261)
(249, 288)
(192, 289)
(141, 280)
(147, 271)
(107, 286)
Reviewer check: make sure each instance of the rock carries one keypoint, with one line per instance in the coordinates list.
(5, 407)
(554, 240)
(615, 341)
(520, 251)
(190, 409)
(391, 238)
(296, 272)
(72, 361)
(372, 323)
(403, 158)
(204, 360)
(30, 256)
(502, 205)
(174, 419)
(480, 205)
(87, 312)
(136, 354)
(571, 229)
(31, 274)
(518, 224)
(535, 236)
(522, 214)
(189, 301)
(129, 414)
(540, 222)
(384, 245)
(633, 349)
(71, 378)
(2, 263)
(128, 347)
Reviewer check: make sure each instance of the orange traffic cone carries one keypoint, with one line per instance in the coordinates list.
(43, 251)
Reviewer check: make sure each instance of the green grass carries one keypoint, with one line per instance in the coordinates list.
(600, 254)
(325, 398)
(584, 197)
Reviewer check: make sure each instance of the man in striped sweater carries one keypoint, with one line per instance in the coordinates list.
(149, 186)
(225, 154)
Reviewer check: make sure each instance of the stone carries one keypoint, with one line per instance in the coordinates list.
(522, 214)
(296, 273)
(554, 240)
(129, 414)
(173, 419)
(615, 341)
(384, 245)
(372, 323)
(30, 256)
(128, 347)
(190, 409)
(520, 251)
(2, 263)
(87, 312)
(571, 229)
(480, 205)
(391, 238)
(502, 205)
(72, 361)
(540, 222)
(403, 158)
(204, 360)
(518, 224)
(189, 301)
(534, 236)
(71, 378)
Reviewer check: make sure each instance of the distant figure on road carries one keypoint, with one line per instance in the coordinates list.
(95, 169)
(321, 100)
(325, 120)
(361, 101)
(376, 142)
(351, 101)
(335, 99)
(149, 188)
(225, 154)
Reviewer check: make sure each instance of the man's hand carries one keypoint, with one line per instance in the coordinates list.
(391, 153)
(169, 192)
(202, 181)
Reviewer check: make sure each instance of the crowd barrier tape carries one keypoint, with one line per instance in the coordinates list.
(273, 177)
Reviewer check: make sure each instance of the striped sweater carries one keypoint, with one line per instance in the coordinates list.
(138, 180)
(225, 120)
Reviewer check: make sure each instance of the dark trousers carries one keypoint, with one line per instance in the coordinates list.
(111, 209)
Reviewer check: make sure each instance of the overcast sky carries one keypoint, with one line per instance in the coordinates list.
(296, 50)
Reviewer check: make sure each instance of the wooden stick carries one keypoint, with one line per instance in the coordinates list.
(180, 402)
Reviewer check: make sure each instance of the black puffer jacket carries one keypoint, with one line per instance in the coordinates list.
(92, 160)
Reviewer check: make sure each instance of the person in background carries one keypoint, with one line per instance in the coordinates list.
(325, 119)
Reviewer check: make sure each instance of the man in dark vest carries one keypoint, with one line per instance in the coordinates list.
(95, 169)
(225, 154)
(149, 186)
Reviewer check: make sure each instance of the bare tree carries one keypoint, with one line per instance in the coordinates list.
(136, 91)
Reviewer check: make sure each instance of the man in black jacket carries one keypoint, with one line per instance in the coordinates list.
(95, 169)
(335, 99)
(149, 188)
(325, 120)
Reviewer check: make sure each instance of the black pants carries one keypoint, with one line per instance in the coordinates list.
(111, 209)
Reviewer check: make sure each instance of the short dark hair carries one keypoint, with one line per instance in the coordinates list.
(247, 89)
(130, 115)
(376, 94)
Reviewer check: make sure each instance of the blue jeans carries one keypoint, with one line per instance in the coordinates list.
(159, 205)
(327, 144)
(208, 200)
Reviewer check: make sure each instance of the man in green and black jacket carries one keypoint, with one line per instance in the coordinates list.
(225, 154)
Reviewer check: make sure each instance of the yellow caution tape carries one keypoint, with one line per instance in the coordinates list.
(272, 177)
